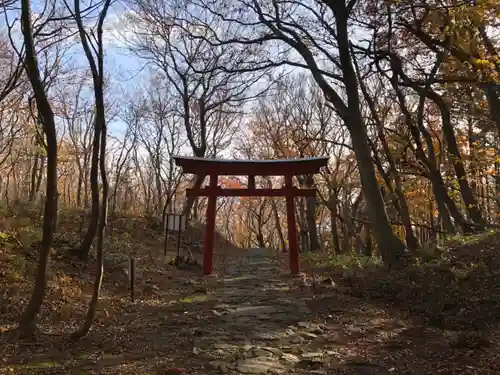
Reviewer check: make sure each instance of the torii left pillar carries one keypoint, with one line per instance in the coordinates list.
(208, 251)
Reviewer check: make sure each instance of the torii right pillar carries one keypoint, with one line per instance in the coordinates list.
(293, 243)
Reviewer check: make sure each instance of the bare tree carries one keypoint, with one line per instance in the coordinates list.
(322, 34)
(161, 135)
(122, 160)
(28, 318)
(94, 51)
(78, 114)
(208, 99)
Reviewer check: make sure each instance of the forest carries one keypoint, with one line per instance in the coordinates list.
(98, 96)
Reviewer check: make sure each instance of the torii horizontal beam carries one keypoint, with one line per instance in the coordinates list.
(251, 192)
(224, 167)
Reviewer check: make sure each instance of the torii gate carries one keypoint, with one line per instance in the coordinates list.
(214, 168)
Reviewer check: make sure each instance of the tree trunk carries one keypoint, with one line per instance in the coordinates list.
(497, 189)
(79, 186)
(334, 226)
(396, 194)
(86, 182)
(444, 205)
(404, 211)
(439, 195)
(493, 103)
(302, 224)
(399, 199)
(390, 247)
(471, 204)
(83, 252)
(34, 173)
(40, 175)
(158, 181)
(100, 217)
(260, 239)
(190, 200)
(417, 128)
(27, 321)
(349, 227)
(103, 218)
(368, 244)
(278, 226)
(312, 227)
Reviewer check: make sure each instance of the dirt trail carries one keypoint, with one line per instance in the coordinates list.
(265, 323)
(254, 320)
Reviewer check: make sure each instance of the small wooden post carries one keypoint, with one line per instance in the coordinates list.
(131, 273)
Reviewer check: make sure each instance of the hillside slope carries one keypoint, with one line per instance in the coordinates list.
(70, 281)
(452, 289)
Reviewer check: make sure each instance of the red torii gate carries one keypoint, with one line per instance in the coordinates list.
(219, 167)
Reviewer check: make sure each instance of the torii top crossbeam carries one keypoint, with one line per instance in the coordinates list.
(227, 167)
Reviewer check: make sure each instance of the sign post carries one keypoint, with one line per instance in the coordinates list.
(177, 223)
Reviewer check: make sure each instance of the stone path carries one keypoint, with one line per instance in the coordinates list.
(260, 328)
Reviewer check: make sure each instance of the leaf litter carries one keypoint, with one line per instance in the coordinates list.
(433, 317)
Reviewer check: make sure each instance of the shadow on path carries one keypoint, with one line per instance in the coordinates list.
(254, 320)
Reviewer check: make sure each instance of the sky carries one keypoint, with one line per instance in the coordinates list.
(124, 68)
(127, 72)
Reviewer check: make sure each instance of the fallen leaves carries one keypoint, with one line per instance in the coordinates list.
(154, 335)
